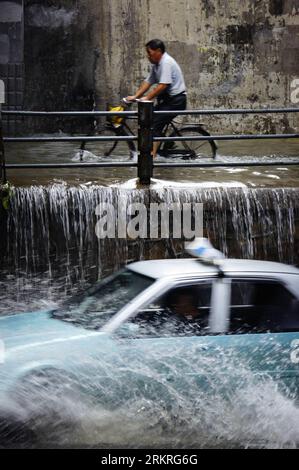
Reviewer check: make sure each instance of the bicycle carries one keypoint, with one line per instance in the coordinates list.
(191, 149)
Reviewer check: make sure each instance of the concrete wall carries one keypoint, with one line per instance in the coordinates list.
(60, 38)
(233, 54)
(11, 58)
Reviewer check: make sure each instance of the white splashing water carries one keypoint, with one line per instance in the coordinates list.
(254, 414)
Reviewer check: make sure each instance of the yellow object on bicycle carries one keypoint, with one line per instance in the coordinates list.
(116, 121)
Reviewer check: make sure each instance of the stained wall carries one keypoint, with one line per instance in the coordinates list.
(81, 54)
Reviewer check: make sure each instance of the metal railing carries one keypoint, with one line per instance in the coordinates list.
(144, 138)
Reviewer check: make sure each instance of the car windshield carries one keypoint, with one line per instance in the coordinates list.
(93, 309)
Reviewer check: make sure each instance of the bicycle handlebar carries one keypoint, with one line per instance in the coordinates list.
(128, 102)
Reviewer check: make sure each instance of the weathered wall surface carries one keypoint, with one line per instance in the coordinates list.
(59, 40)
(11, 58)
(234, 54)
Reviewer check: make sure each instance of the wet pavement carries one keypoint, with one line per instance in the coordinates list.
(273, 150)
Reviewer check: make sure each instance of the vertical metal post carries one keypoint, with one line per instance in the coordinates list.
(2, 154)
(81, 151)
(145, 141)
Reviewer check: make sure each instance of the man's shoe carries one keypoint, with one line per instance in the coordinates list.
(160, 158)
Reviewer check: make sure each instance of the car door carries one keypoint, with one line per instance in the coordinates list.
(169, 359)
(263, 334)
(243, 343)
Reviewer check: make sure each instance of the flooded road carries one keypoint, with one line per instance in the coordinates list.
(242, 151)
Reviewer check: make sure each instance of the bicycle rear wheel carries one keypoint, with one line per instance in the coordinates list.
(189, 149)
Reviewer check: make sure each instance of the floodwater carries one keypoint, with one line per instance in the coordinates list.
(274, 150)
(123, 399)
(257, 415)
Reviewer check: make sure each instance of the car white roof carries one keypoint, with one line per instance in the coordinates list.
(191, 266)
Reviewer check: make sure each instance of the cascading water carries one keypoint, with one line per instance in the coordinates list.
(162, 414)
(52, 229)
(48, 233)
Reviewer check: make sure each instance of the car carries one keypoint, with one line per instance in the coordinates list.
(154, 332)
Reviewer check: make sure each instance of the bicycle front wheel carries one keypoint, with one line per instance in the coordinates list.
(123, 148)
(190, 149)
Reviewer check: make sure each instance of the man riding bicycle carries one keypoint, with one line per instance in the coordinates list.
(170, 90)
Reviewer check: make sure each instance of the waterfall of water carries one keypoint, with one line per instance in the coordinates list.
(51, 229)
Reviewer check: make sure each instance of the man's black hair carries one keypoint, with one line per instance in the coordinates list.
(156, 44)
(174, 295)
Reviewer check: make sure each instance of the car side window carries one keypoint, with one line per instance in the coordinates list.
(182, 311)
(259, 306)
